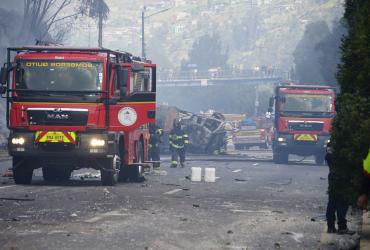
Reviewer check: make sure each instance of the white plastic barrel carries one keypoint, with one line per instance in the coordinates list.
(196, 174)
(210, 175)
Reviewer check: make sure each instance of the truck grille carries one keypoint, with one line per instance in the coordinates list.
(305, 126)
(57, 116)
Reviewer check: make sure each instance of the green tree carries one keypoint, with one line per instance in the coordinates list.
(207, 52)
(351, 128)
(329, 53)
(306, 57)
(98, 10)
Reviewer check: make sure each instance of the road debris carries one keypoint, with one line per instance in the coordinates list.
(277, 245)
(16, 199)
(14, 219)
(89, 175)
(240, 180)
(196, 205)
(296, 236)
(283, 183)
(173, 191)
(8, 173)
(277, 212)
(236, 171)
(230, 232)
(321, 217)
(158, 172)
(74, 215)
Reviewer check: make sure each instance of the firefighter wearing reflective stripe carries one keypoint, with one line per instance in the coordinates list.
(178, 140)
(155, 139)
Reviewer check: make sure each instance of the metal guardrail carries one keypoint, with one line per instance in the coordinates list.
(169, 75)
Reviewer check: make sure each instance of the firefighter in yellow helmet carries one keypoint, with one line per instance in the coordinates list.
(178, 140)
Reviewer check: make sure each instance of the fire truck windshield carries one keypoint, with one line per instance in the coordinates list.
(315, 104)
(59, 76)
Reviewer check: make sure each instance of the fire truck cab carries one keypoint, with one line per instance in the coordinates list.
(302, 121)
(72, 108)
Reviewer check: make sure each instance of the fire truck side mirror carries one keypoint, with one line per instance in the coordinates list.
(3, 75)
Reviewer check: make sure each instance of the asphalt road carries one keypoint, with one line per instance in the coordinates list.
(254, 204)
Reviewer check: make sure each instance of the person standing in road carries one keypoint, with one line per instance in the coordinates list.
(155, 139)
(336, 204)
(362, 200)
(178, 140)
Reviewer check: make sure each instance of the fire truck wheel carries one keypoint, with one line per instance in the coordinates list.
(280, 157)
(136, 171)
(109, 175)
(124, 174)
(22, 171)
(54, 174)
(320, 159)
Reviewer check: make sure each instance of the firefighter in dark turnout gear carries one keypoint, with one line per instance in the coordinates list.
(155, 138)
(178, 140)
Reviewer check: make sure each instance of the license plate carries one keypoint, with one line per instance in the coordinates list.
(305, 137)
(55, 137)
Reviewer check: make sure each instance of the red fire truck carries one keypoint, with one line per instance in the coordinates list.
(72, 108)
(302, 122)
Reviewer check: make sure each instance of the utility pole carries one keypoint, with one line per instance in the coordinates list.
(256, 102)
(100, 38)
(143, 53)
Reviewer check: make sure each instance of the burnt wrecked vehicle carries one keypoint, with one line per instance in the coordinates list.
(207, 134)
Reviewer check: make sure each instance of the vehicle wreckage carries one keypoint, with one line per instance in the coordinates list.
(207, 133)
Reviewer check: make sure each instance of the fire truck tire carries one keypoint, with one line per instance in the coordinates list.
(320, 159)
(124, 174)
(280, 157)
(109, 175)
(137, 171)
(22, 171)
(52, 174)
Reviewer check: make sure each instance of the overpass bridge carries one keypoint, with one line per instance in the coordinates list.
(224, 91)
(207, 78)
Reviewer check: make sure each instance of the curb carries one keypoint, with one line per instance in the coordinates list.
(365, 232)
(4, 156)
(5, 159)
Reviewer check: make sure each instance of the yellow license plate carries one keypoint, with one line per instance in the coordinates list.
(55, 137)
(305, 137)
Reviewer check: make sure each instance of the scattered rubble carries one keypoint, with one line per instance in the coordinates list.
(16, 199)
(240, 180)
(8, 173)
(283, 183)
(88, 175)
(321, 217)
(277, 245)
(296, 236)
